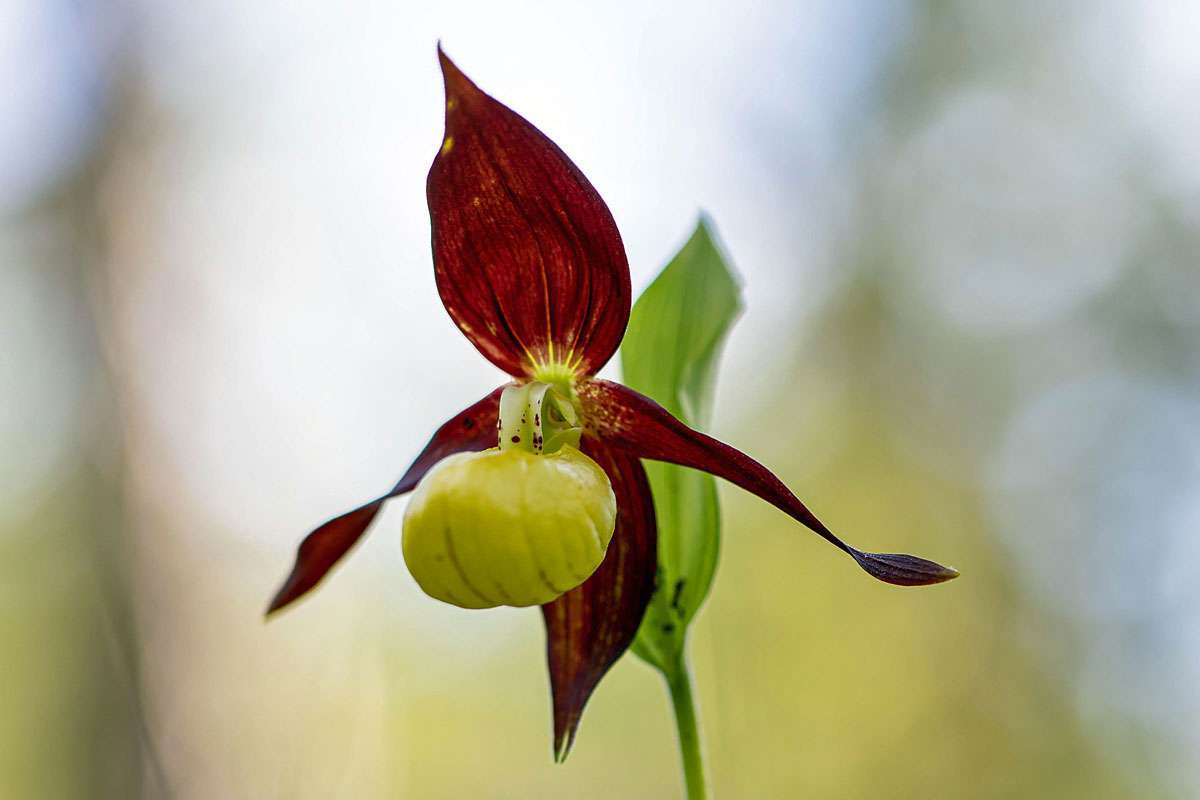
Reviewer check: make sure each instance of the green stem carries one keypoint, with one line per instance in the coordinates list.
(680, 684)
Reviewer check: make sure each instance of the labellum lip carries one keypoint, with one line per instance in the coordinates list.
(528, 260)
(508, 526)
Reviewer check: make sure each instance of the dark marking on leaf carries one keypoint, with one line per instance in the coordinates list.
(675, 597)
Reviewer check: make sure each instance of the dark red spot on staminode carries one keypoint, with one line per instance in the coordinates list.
(468, 423)
(516, 440)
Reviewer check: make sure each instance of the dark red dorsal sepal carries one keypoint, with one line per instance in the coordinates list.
(527, 257)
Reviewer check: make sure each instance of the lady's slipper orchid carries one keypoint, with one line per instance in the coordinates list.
(530, 266)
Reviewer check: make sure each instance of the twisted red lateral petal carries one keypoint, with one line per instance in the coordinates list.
(635, 423)
(471, 429)
(591, 626)
(527, 257)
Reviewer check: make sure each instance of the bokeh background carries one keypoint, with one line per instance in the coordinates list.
(968, 234)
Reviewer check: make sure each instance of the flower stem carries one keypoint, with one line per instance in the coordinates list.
(680, 684)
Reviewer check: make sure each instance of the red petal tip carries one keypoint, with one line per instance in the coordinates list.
(900, 569)
(457, 83)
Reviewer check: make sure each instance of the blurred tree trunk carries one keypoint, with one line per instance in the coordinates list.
(74, 724)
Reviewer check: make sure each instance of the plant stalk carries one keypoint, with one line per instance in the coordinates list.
(680, 683)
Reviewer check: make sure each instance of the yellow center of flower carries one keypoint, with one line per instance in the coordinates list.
(561, 374)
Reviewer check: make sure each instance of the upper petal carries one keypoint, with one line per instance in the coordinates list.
(473, 428)
(623, 418)
(591, 626)
(527, 257)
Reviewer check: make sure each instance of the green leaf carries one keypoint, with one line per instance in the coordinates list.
(670, 352)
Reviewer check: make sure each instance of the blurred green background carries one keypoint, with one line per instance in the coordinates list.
(968, 234)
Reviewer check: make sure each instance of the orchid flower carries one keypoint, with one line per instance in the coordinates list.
(535, 494)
